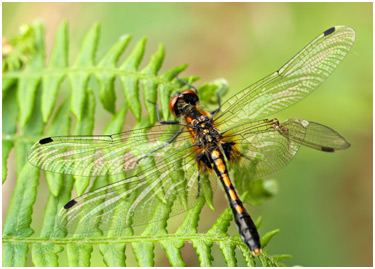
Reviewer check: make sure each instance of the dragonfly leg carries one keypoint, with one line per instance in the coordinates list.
(185, 82)
(158, 115)
(199, 184)
(162, 146)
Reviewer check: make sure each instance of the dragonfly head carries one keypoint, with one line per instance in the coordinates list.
(180, 101)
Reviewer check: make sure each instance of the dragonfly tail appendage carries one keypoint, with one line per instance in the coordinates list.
(246, 228)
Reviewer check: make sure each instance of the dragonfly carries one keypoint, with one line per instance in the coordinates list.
(163, 167)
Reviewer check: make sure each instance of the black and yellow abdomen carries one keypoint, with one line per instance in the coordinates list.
(245, 224)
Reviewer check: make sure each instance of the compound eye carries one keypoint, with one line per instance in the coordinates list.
(190, 97)
(189, 92)
(172, 104)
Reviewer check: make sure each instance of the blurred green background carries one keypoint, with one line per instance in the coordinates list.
(324, 204)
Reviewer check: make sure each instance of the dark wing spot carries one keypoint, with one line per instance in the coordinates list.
(45, 140)
(70, 204)
(329, 31)
(328, 149)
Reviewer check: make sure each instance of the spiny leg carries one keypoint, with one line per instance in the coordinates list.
(158, 115)
(185, 82)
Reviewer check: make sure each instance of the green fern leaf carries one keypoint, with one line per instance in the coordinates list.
(18, 220)
(15, 254)
(60, 125)
(106, 79)
(78, 79)
(150, 86)
(267, 237)
(52, 80)
(28, 84)
(130, 83)
(10, 108)
(219, 229)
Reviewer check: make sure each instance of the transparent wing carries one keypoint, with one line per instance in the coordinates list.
(268, 145)
(292, 82)
(168, 187)
(104, 154)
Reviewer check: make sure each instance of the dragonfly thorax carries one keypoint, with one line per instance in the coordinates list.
(206, 135)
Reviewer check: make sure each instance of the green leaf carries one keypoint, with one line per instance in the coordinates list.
(258, 222)
(15, 254)
(172, 249)
(130, 83)
(10, 109)
(246, 253)
(18, 220)
(79, 254)
(28, 84)
(150, 85)
(259, 189)
(7, 84)
(267, 237)
(207, 190)
(33, 128)
(114, 254)
(26, 96)
(52, 80)
(106, 80)
(19, 50)
(79, 80)
(219, 229)
(60, 125)
(189, 225)
(86, 126)
(6, 148)
(45, 254)
(209, 92)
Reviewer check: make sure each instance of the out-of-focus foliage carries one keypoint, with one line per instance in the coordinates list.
(18, 50)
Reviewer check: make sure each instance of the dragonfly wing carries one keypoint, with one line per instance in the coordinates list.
(292, 82)
(268, 146)
(152, 195)
(103, 154)
(316, 136)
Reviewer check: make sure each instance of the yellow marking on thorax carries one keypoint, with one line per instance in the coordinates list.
(191, 122)
(215, 154)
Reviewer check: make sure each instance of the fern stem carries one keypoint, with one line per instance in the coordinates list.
(108, 240)
(88, 70)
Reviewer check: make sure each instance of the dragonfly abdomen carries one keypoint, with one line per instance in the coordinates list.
(245, 224)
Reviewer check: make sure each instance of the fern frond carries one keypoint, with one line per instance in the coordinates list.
(30, 102)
